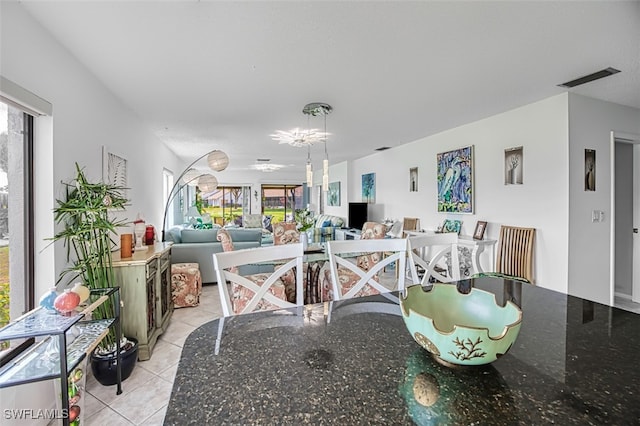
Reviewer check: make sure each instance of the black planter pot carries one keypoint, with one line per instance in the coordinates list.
(104, 366)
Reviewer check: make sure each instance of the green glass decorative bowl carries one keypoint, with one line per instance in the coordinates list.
(457, 328)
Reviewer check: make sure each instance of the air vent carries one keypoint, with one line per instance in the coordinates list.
(263, 160)
(383, 148)
(587, 78)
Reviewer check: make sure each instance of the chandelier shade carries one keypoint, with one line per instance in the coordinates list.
(217, 160)
(207, 183)
(190, 177)
(299, 137)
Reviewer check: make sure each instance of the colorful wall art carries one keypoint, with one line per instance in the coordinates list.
(369, 188)
(455, 180)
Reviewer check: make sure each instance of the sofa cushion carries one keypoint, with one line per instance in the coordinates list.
(174, 235)
(245, 235)
(199, 235)
(253, 221)
(335, 221)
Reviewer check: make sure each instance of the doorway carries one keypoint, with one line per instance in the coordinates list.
(625, 262)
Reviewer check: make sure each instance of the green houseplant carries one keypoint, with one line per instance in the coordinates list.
(86, 215)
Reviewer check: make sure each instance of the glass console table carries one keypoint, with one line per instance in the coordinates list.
(53, 357)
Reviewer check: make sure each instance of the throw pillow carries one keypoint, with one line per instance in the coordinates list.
(266, 222)
(252, 221)
(326, 223)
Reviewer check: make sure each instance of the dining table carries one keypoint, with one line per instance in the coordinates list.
(353, 362)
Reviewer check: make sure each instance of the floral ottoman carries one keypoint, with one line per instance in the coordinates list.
(186, 284)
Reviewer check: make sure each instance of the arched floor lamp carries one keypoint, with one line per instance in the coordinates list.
(217, 161)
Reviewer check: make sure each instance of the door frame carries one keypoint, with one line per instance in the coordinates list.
(635, 140)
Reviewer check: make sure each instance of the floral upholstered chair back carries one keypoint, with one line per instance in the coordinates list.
(251, 292)
(373, 231)
(285, 233)
(227, 244)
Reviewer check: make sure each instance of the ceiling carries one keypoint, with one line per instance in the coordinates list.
(204, 75)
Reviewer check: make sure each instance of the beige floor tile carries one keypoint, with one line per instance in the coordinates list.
(144, 401)
(91, 405)
(107, 417)
(170, 373)
(164, 355)
(157, 419)
(177, 332)
(193, 316)
(107, 394)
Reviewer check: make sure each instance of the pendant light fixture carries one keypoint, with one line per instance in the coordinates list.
(315, 109)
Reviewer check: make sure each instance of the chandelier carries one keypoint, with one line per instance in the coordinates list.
(299, 137)
(267, 167)
(306, 137)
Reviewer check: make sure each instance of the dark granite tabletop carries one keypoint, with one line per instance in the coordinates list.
(353, 362)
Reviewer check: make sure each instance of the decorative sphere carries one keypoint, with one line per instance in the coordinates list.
(66, 302)
(217, 160)
(190, 177)
(81, 291)
(207, 183)
(47, 299)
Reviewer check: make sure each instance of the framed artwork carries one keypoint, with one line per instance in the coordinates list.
(455, 180)
(114, 169)
(413, 179)
(513, 161)
(481, 226)
(369, 188)
(333, 194)
(589, 169)
(450, 225)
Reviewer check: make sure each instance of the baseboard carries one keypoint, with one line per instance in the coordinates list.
(622, 296)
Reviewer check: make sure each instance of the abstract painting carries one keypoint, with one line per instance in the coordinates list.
(333, 194)
(455, 180)
(369, 188)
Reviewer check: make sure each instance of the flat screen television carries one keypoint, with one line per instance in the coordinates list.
(357, 215)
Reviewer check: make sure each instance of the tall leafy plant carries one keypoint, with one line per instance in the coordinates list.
(88, 225)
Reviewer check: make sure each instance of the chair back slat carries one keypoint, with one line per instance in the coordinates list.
(389, 250)
(421, 256)
(288, 258)
(515, 252)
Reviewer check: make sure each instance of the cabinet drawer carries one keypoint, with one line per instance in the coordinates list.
(152, 268)
(164, 260)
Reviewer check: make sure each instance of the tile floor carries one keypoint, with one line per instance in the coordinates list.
(151, 381)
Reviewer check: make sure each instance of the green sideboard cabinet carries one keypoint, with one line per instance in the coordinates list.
(145, 286)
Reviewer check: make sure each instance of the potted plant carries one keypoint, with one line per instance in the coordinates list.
(86, 217)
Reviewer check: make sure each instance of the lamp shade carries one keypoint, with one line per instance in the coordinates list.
(207, 183)
(190, 177)
(217, 160)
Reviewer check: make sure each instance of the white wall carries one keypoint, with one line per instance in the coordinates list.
(541, 202)
(85, 117)
(590, 125)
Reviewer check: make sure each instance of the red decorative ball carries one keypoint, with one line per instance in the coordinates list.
(66, 302)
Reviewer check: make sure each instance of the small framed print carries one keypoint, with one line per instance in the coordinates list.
(589, 169)
(513, 163)
(413, 179)
(478, 234)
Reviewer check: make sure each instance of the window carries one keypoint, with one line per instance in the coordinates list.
(281, 201)
(226, 204)
(16, 213)
(167, 186)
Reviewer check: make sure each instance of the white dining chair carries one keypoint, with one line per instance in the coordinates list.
(428, 253)
(263, 290)
(357, 265)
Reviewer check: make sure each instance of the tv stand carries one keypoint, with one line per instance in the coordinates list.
(348, 234)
